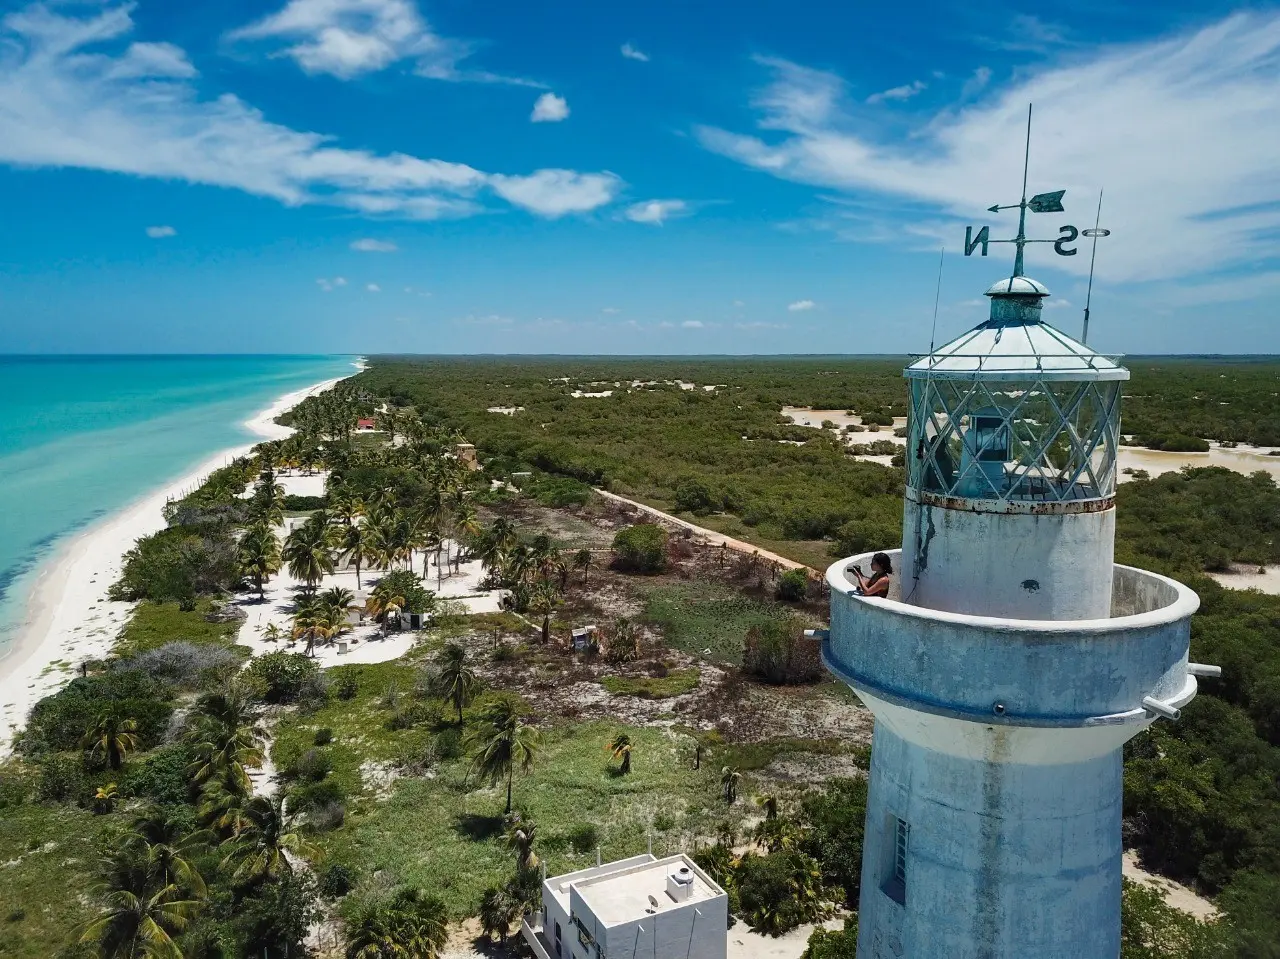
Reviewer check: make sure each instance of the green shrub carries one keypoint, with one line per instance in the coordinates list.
(403, 583)
(793, 585)
(695, 496)
(583, 838)
(15, 786)
(323, 736)
(161, 776)
(304, 504)
(1173, 442)
(641, 548)
(345, 686)
(61, 778)
(179, 564)
(558, 490)
(834, 943)
(312, 765)
(59, 722)
(779, 653)
(834, 821)
(336, 880)
(877, 418)
(447, 743)
(779, 891)
(15, 915)
(283, 676)
(315, 795)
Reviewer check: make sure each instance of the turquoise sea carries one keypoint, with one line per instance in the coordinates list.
(84, 436)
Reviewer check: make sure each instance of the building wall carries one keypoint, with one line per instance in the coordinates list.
(1017, 565)
(674, 932)
(1003, 859)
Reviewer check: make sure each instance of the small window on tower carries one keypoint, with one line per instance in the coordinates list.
(895, 886)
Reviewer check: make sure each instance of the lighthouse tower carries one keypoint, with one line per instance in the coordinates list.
(1012, 659)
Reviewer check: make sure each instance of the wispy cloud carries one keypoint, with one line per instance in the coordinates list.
(1181, 131)
(1027, 33)
(611, 311)
(656, 212)
(369, 245)
(693, 324)
(904, 92)
(631, 53)
(976, 83)
(800, 306)
(347, 38)
(67, 107)
(549, 108)
(330, 285)
(160, 232)
(374, 288)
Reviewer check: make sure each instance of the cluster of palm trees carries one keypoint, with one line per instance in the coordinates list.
(147, 883)
(536, 572)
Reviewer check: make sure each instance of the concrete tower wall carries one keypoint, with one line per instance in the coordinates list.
(1002, 859)
(1024, 565)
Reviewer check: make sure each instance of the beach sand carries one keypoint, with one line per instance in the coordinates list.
(69, 617)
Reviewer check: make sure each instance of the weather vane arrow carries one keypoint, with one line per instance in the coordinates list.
(1040, 203)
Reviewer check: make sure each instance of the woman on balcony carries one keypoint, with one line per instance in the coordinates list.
(877, 584)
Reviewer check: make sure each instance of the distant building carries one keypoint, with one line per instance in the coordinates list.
(365, 425)
(638, 907)
(466, 452)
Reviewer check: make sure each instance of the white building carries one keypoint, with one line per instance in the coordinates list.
(1012, 658)
(637, 908)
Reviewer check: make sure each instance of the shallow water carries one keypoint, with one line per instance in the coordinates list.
(83, 436)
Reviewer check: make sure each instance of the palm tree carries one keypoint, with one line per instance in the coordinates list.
(337, 602)
(140, 916)
(357, 546)
(520, 836)
(306, 550)
(272, 632)
(620, 747)
(582, 560)
(502, 742)
(262, 844)
(104, 799)
(499, 911)
(453, 680)
(729, 777)
(409, 924)
(259, 556)
(310, 621)
(111, 737)
(168, 847)
(624, 644)
(543, 603)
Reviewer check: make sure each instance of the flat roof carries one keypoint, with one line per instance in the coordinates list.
(629, 892)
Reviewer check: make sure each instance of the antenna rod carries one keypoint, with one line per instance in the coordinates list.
(1022, 207)
(1084, 336)
(937, 297)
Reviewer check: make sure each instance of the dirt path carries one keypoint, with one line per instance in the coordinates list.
(709, 535)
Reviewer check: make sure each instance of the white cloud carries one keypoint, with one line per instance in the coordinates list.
(553, 193)
(374, 288)
(330, 285)
(739, 303)
(159, 232)
(611, 310)
(799, 306)
(369, 245)
(549, 108)
(655, 212)
(1182, 131)
(66, 107)
(692, 324)
(345, 38)
(154, 60)
(904, 92)
(631, 53)
(976, 83)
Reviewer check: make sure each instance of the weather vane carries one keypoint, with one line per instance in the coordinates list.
(1040, 203)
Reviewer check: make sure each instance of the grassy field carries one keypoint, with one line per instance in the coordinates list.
(154, 624)
(675, 683)
(47, 854)
(704, 616)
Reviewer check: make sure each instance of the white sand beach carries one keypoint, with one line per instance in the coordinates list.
(69, 618)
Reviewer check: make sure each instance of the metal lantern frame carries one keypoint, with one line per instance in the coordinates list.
(1062, 432)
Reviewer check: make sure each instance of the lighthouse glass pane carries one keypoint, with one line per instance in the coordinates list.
(1026, 440)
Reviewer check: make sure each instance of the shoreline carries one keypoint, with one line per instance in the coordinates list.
(69, 617)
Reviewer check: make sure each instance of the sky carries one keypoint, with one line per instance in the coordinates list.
(467, 176)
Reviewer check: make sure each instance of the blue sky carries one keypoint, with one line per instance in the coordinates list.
(672, 177)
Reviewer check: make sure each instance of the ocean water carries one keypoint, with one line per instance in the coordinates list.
(81, 437)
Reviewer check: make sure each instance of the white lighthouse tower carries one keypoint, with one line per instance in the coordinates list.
(1012, 659)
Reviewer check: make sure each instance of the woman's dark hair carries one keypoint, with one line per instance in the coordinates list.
(882, 560)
